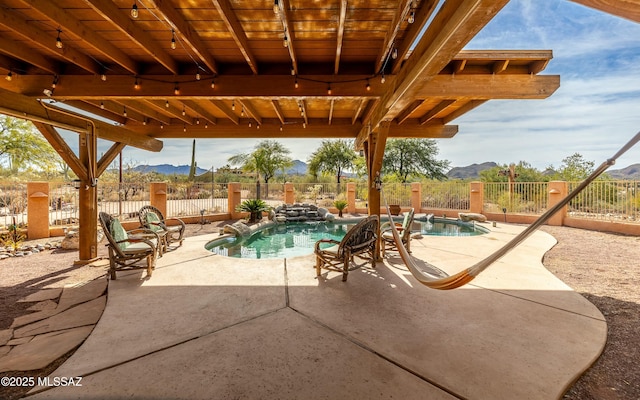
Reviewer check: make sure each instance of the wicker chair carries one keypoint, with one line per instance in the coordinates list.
(152, 218)
(127, 248)
(404, 230)
(359, 241)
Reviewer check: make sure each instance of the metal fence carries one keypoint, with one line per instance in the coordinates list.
(184, 199)
(320, 194)
(519, 197)
(397, 193)
(446, 195)
(615, 201)
(123, 199)
(13, 204)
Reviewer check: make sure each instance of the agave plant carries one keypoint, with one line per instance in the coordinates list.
(254, 207)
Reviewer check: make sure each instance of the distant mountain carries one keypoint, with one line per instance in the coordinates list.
(298, 168)
(470, 171)
(168, 169)
(632, 172)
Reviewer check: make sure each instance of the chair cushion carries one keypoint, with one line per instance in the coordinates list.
(119, 234)
(153, 221)
(137, 247)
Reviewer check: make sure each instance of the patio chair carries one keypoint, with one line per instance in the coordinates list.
(359, 241)
(404, 231)
(127, 248)
(152, 218)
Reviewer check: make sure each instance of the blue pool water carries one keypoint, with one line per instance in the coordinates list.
(298, 239)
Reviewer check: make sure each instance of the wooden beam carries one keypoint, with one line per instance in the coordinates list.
(96, 110)
(285, 17)
(500, 66)
(145, 110)
(341, 21)
(408, 111)
(504, 86)
(455, 24)
(45, 40)
(422, 15)
(110, 12)
(250, 110)
(107, 157)
(392, 33)
(278, 110)
(231, 21)
(463, 110)
(19, 51)
(201, 111)
(358, 110)
(629, 9)
(435, 110)
(51, 11)
(62, 148)
(226, 110)
(184, 29)
(174, 110)
(331, 105)
(303, 110)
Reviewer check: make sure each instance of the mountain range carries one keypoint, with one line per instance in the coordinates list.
(632, 172)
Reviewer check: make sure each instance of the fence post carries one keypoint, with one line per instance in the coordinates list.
(37, 210)
(234, 197)
(557, 191)
(289, 193)
(158, 196)
(416, 196)
(351, 197)
(476, 201)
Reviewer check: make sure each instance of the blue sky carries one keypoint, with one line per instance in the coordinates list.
(594, 112)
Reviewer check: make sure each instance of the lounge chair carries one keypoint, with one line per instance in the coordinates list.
(127, 248)
(151, 218)
(359, 241)
(404, 231)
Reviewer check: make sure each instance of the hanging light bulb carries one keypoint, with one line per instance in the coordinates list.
(329, 89)
(233, 106)
(242, 112)
(197, 121)
(280, 128)
(293, 71)
(304, 125)
(161, 125)
(124, 112)
(9, 76)
(173, 40)
(103, 77)
(176, 90)
(276, 7)
(368, 86)
(198, 76)
(55, 82)
(184, 128)
(102, 105)
(296, 83)
(144, 121)
(134, 11)
(184, 112)
(394, 53)
(58, 40)
(213, 84)
(206, 125)
(249, 124)
(383, 79)
(285, 41)
(412, 17)
(166, 104)
(136, 84)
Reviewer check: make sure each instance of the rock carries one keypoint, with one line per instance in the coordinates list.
(466, 217)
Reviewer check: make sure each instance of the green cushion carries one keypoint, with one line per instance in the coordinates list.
(119, 233)
(153, 221)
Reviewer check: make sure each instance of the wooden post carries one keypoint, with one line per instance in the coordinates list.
(38, 210)
(88, 210)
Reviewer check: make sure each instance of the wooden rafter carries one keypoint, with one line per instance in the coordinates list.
(408, 111)
(333, 101)
(463, 110)
(226, 111)
(358, 110)
(110, 12)
(392, 33)
(278, 110)
(500, 66)
(250, 110)
(200, 111)
(50, 10)
(182, 27)
(421, 16)
(233, 25)
(629, 9)
(22, 53)
(108, 157)
(96, 110)
(62, 148)
(435, 111)
(14, 21)
(149, 111)
(340, 35)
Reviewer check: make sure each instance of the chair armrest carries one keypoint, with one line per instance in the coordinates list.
(317, 246)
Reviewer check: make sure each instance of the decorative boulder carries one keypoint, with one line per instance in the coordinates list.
(467, 217)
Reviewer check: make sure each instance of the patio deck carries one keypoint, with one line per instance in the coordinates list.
(206, 326)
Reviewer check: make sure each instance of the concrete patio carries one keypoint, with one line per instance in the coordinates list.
(206, 326)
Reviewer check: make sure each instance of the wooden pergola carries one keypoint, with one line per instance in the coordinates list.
(366, 70)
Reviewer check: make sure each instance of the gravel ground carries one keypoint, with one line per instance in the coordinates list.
(602, 267)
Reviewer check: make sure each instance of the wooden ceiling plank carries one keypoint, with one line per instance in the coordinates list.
(201, 111)
(278, 110)
(340, 36)
(629, 9)
(174, 110)
(235, 28)
(71, 24)
(422, 15)
(463, 110)
(285, 16)
(392, 33)
(95, 109)
(250, 110)
(435, 111)
(19, 51)
(44, 40)
(358, 110)
(455, 24)
(62, 148)
(500, 66)
(108, 157)
(147, 111)
(110, 12)
(226, 111)
(184, 29)
(407, 111)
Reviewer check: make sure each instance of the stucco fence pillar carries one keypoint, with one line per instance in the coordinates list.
(158, 196)
(351, 197)
(557, 191)
(476, 197)
(38, 210)
(289, 193)
(416, 196)
(234, 193)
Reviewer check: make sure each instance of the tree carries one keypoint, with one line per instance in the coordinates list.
(267, 158)
(575, 168)
(333, 157)
(406, 158)
(526, 173)
(22, 147)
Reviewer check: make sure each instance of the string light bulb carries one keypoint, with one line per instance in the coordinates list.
(184, 128)
(197, 121)
(394, 53)
(368, 86)
(134, 11)
(144, 121)
(166, 104)
(55, 82)
(213, 84)
(242, 112)
(184, 111)
(412, 17)
(9, 76)
(102, 105)
(285, 41)
(136, 84)
(103, 77)
(382, 78)
(233, 106)
(58, 40)
(206, 125)
(173, 40)
(296, 85)
(161, 125)
(329, 89)
(276, 7)
(198, 76)
(176, 89)
(124, 111)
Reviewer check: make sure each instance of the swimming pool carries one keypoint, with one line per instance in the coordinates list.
(299, 238)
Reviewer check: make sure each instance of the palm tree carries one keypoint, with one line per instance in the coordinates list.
(268, 157)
